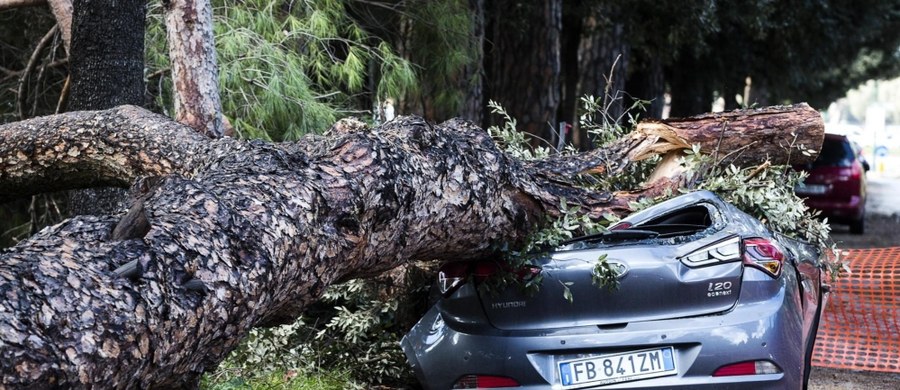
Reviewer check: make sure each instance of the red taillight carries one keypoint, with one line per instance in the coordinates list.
(758, 367)
(483, 270)
(856, 171)
(744, 368)
(453, 275)
(764, 255)
(484, 382)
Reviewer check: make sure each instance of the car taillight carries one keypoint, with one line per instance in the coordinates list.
(764, 255)
(724, 251)
(453, 275)
(758, 367)
(484, 382)
(483, 270)
(856, 172)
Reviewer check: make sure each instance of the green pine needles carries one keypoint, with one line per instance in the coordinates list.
(289, 68)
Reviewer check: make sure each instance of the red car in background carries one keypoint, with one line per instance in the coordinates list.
(837, 183)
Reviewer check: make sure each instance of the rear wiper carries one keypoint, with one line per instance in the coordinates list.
(615, 235)
(675, 229)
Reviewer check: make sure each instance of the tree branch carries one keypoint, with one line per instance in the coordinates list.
(62, 11)
(11, 4)
(32, 62)
(92, 148)
(771, 129)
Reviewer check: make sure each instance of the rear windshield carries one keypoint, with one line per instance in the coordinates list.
(835, 153)
(683, 222)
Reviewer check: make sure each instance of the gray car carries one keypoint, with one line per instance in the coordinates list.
(708, 298)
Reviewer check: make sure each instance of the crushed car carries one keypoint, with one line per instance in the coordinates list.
(707, 298)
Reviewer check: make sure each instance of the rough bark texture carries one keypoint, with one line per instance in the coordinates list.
(526, 62)
(106, 70)
(107, 57)
(92, 148)
(238, 234)
(192, 53)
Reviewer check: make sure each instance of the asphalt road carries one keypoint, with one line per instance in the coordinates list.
(883, 196)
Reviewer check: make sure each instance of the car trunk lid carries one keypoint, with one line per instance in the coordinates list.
(655, 282)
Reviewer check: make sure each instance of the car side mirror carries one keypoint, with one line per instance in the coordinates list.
(865, 165)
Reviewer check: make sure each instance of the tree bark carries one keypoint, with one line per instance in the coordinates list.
(745, 137)
(106, 70)
(225, 235)
(107, 59)
(195, 73)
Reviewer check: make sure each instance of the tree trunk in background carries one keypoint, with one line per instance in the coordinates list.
(106, 65)
(648, 82)
(690, 95)
(603, 59)
(473, 107)
(569, 73)
(195, 74)
(525, 62)
(107, 58)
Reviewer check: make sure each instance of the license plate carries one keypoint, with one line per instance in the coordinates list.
(615, 368)
(811, 189)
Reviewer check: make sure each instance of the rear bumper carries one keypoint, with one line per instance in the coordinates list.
(768, 329)
(839, 210)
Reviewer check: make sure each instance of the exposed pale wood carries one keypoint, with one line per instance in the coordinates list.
(742, 137)
(668, 167)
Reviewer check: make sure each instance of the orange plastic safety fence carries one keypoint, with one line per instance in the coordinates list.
(860, 328)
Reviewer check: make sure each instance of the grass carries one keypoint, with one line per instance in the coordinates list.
(280, 380)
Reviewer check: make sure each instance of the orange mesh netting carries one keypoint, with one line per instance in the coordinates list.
(860, 328)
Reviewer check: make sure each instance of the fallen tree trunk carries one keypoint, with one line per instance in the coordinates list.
(225, 235)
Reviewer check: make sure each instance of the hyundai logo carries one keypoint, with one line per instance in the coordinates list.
(619, 268)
